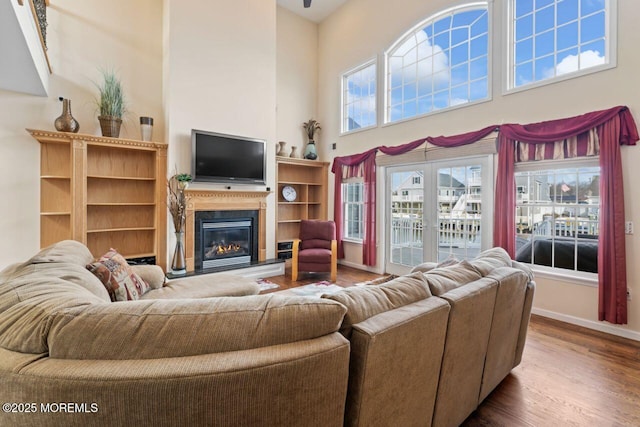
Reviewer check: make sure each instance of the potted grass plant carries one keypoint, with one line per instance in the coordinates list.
(111, 104)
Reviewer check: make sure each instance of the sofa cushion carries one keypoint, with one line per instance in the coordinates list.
(116, 275)
(430, 265)
(362, 302)
(68, 251)
(153, 275)
(489, 260)
(151, 329)
(32, 292)
(442, 280)
(205, 286)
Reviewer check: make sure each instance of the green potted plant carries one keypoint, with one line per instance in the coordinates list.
(183, 180)
(111, 104)
(311, 128)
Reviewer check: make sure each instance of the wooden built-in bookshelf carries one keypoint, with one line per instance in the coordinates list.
(103, 192)
(309, 178)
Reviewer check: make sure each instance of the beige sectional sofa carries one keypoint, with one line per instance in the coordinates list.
(422, 349)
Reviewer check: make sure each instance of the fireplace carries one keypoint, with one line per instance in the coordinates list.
(225, 238)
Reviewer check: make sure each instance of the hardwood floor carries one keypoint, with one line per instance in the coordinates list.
(569, 375)
(347, 276)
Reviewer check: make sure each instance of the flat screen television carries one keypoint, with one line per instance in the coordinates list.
(231, 159)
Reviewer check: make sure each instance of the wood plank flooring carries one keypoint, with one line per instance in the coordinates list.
(569, 375)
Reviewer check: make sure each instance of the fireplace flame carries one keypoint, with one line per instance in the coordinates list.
(227, 249)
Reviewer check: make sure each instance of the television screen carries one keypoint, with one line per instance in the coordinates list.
(227, 158)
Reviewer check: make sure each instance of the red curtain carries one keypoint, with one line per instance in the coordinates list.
(462, 139)
(364, 165)
(615, 127)
(357, 165)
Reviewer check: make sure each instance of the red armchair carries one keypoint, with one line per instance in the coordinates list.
(316, 250)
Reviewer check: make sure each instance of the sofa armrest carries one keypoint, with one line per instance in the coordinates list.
(152, 274)
(149, 329)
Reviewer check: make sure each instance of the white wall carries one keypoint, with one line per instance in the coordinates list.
(220, 66)
(297, 77)
(363, 29)
(82, 38)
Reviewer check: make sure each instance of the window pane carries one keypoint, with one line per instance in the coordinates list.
(441, 63)
(358, 98)
(524, 27)
(567, 36)
(352, 210)
(549, 27)
(592, 28)
(557, 217)
(406, 218)
(567, 11)
(459, 212)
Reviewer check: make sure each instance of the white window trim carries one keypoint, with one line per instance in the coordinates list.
(562, 274)
(611, 39)
(490, 35)
(350, 239)
(569, 276)
(373, 61)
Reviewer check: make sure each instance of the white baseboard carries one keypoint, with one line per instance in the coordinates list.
(590, 324)
(360, 266)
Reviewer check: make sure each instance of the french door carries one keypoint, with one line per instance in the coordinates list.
(437, 210)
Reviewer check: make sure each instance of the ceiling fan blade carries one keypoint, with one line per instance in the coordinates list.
(307, 3)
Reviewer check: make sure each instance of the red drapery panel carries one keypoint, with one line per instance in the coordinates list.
(612, 268)
(356, 165)
(615, 127)
(462, 139)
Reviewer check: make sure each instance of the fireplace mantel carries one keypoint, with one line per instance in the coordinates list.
(225, 200)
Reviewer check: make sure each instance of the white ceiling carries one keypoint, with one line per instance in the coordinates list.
(318, 11)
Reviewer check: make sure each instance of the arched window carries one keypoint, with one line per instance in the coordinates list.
(441, 63)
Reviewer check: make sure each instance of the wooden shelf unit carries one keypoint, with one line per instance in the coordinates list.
(103, 192)
(309, 178)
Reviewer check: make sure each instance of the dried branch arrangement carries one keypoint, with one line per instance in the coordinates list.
(178, 200)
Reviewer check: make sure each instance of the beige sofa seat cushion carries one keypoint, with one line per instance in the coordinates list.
(444, 279)
(489, 260)
(362, 302)
(205, 286)
(148, 329)
(395, 365)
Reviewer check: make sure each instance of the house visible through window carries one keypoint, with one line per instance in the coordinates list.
(554, 38)
(557, 216)
(353, 208)
(359, 98)
(443, 63)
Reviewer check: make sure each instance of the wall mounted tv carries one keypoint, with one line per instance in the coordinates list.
(231, 159)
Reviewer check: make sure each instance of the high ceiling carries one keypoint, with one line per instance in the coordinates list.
(318, 11)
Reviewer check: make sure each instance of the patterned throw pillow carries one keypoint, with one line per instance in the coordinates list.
(116, 275)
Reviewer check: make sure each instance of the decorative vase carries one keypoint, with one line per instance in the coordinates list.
(146, 128)
(110, 126)
(294, 152)
(66, 122)
(310, 151)
(283, 149)
(179, 264)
